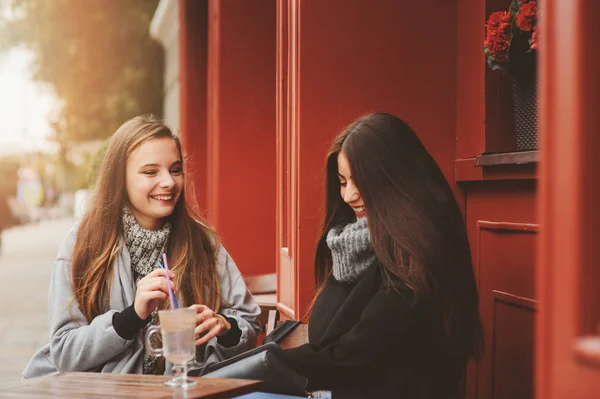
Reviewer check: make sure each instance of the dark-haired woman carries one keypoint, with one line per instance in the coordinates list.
(396, 313)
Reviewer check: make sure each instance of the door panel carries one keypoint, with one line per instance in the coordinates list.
(503, 234)
(506, 287)
(512, 356)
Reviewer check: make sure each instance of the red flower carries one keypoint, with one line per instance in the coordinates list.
(504, 27)
(498, 35)
(527, 15)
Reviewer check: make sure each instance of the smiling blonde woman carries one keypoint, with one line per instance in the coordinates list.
(106, 285)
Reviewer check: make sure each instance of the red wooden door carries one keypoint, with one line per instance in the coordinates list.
(568, 266)
(500, 187)
(503, 237)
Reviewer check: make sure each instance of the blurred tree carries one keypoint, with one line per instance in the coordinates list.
(97, 54)
(9, 166)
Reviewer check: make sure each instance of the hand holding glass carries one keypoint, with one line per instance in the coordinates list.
(177, 330)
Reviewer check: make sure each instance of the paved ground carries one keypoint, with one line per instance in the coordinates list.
(26, 261)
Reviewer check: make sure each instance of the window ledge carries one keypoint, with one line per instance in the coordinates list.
(501, 166)
(507, 158)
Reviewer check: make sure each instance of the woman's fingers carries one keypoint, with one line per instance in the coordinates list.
(150, 290)
(150, 295)
(203, 313)
(160, 273)
(199, 308)
(199, 316)
(155, 283)
(206, 338)
(146, 301)
(206, 326)
(211, 331)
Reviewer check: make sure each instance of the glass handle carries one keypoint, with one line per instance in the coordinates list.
(148, 344)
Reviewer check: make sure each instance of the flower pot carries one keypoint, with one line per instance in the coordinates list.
(526, 112)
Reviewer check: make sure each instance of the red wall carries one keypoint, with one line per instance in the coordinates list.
(354, 58)
(192, 75)
(470, 107)
(227, 73)
(241, 130)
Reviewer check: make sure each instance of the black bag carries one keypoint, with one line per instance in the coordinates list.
(262, 363)
(281, 331)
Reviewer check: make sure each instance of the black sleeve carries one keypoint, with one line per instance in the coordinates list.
(380, 334)
(127, 323)
(232, 337)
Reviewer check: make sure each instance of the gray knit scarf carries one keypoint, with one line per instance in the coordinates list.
(351, 250)
(145, 249)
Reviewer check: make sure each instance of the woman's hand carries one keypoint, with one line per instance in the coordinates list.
(150, 291)
(209, 323)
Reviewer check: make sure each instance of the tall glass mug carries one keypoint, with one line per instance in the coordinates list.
(179, 346)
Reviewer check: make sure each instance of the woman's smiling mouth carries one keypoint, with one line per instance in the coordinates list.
(162, 197)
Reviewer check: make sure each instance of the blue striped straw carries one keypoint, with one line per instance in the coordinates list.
(172, 297)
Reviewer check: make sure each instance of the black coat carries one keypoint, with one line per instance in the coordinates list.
(369, 341)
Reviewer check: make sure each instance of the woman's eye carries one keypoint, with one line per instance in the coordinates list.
(149, 172)
(343, 183)
(176, 171)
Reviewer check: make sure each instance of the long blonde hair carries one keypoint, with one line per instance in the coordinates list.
(193, 246)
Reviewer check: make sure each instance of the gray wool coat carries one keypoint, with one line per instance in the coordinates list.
(76, 345)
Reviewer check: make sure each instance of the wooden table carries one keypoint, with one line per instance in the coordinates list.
(104, 385)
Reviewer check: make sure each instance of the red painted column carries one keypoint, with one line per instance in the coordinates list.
(241, 130)
(346, 59)
(568, 269)
(192, 75)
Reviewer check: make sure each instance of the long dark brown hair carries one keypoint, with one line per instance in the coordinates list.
(193, 246)
(417, 229)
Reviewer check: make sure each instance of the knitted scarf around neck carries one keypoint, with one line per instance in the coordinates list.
(145, 246)
(351, 250)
